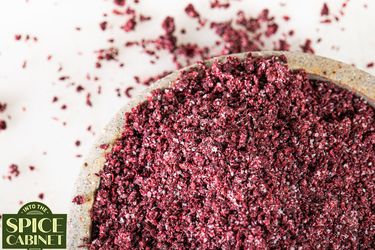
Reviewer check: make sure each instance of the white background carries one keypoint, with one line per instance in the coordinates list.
(35, 138)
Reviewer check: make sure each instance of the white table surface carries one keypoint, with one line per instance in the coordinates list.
(35, 138)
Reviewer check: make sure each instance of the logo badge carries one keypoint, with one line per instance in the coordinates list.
(34, 227)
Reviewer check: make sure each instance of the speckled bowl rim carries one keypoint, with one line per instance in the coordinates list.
(79, 220)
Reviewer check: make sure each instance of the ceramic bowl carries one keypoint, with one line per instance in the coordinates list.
(79, 222)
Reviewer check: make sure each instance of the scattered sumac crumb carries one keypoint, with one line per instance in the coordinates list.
(3, 107)
(88, 100)
(27, 37)
(241, 33)
(80, 88)
(127, 92)
(77, 143)
(24, 64)
(103, 25)
(107, 54)
(217, 4)
(144, 18)
(370, 65)
(271, 29)
(286, 18)
(240, 155)
(41, 196)
(129, 25)
(79, 199)
(32, 168)
(64, 78)
(193, 13)
(3, 125)
(325, 10)
(120, 2)
(306, 47)
(190, 11)
(13, 172)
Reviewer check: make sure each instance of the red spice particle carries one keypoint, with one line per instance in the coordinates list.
(103, 25)
(127, 91)
(55, 99)
(193, 13)
(325, 10)
(306, 47)
(129, 25)
(80, 88)
(88, 100)
(283, 45)
(79, 199)
(32, 168)
(17, 37)
(3, 125)
(13, 171)
(168, 25)
(217, 4)
(3, 107)
(120, 2)
(144, 18)
(137, 79)
(64, 107)
(64, 78)
(107, 54)
(286, 18)
(370, 65)
(41, 196)
(190, 11)
(271, 29)
(240, 155)
(77, 143)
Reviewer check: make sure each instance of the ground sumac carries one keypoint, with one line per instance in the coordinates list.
(241, 155)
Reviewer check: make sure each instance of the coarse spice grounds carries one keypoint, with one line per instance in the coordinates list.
(241, 155)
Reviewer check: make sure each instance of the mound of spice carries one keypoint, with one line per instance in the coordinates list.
(241, 155)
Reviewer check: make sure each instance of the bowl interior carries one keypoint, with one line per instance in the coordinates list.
(79, 221)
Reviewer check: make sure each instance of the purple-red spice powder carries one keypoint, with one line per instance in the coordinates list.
(241, 155)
